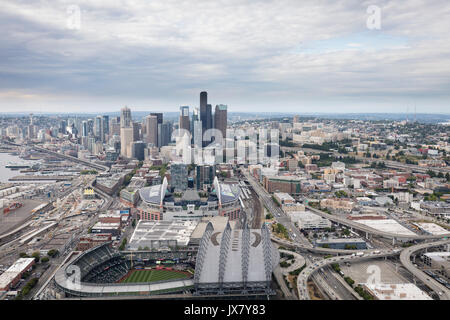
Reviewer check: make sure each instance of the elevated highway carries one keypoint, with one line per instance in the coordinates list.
(405, 259)
(369, 230)
(303, 277)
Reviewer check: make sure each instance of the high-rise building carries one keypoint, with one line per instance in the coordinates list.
(220, 119)
(184, 118)
(160, 122)
(84, 129)
(178, 176)
(151, 128)
(125, 117)
(63, 127)
(98, 128)
(196, 128)
(209, 118)
(166, 133)
(204, 174)
(105, 125)
(138, 150)
(114, 128)
(90, 124)
(136, 130)
(126, 138)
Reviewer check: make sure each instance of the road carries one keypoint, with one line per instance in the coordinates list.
(303, 277)
(405, 259)
(369, 230)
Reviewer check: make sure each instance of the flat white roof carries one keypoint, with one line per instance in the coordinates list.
(432, 228)
(387, 225)
(283, 196)
(400, 291)
(19, 266)
(146, 231)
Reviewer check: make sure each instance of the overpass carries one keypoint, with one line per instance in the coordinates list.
(320, 250)
(302, 279)
(405, 259)
(369, 230)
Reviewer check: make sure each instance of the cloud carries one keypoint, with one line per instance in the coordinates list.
(252, 55)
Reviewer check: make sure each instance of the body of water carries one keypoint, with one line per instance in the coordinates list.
(6, 173)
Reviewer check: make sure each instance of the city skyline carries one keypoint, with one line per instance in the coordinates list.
(323, 57)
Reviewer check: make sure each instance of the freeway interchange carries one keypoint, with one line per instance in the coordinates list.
(302, 244)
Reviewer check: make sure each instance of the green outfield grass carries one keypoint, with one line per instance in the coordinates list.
(153, 275)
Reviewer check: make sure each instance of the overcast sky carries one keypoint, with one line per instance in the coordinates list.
(255, 55)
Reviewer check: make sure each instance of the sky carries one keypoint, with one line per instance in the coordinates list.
(252, 55)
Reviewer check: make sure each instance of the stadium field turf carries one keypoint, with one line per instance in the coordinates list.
(153, 275)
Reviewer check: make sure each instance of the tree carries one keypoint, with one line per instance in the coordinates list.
(45, 259)
(36, 255)
(133, 223)
(447, 176)
(52, 253)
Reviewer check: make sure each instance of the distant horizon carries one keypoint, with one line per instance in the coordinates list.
(234, 112)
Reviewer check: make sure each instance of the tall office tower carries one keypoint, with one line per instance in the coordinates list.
(204, 174)
(106, 125)
(84, 129)
(195, 118)
(220, 119)
(126, 138)
(209, 118)
(203, 102)
(138, 150)
(90, 123)
(296, 119)
(184, 118)
(178, 176)
(166, 133)
(159, 115)
(205, 111)
(63, 127)
(136, 130)
(114, 126)
(151, 128)
(98, 128)
(125, 117)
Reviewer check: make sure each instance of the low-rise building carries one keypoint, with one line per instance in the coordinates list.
(346, 243)
(440, 261)
(13, 274)
(400, 291)
(92, 240)
(337, 204)
(309, 220)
